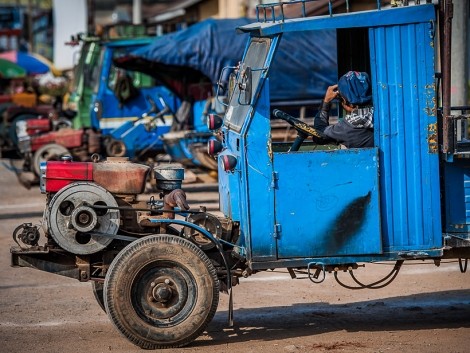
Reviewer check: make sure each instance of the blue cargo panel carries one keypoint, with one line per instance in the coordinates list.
(457, 192)
(327, 203)
(402, 62)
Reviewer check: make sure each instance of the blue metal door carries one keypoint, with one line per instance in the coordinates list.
(327, 203)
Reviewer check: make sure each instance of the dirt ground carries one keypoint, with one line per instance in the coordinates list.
(426, 309)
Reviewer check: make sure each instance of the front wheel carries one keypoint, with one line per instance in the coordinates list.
(161, 291)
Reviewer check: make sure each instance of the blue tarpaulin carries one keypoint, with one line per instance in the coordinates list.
(304, 66)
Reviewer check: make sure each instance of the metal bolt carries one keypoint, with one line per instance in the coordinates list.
(152, 284)
(163, 294)
(83, 218)
(167, 281)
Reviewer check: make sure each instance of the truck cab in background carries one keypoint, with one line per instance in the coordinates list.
(111, 106)
(122, 100)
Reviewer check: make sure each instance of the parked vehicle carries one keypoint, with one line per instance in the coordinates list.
(12, 114)
(158, 267)
(88, 58)
(112, 106)
(44, 137)
(22, 95)
(121, 95)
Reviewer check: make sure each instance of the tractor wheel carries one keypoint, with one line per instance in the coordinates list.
(49, 152)
(115, 148)
(62, 123)
(98, 289)
(161, 291)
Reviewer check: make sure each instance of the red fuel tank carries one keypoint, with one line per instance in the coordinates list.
(57, 174)
(117, 175)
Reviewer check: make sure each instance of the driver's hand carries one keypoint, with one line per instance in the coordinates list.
(331, 93)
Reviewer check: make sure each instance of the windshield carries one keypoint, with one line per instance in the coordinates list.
(139, 80)
(95, 72)
(78, 71)
(255, 58)
(91, 60)
(86, 62)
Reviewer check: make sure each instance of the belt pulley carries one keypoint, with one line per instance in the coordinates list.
(72, 221)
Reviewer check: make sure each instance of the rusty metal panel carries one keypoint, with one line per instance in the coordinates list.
(402, 62)
(119, 176)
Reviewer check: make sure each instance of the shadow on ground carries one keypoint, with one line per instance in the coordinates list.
(416, 312)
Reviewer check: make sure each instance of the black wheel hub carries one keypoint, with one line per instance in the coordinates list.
(162, 294)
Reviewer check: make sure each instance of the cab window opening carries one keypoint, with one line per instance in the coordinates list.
(349, 52)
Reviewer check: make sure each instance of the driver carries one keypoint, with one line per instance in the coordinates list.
(356, 128)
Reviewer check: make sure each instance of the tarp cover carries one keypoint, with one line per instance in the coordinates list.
(304, 65)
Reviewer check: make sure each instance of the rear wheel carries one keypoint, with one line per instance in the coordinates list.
(161, 291)
(49, 152)
(98, 293)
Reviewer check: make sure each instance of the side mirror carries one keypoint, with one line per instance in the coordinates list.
(75, 57)
(245, 86)
(222, 94)
(232, 81)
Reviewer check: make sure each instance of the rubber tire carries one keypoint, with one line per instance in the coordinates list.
(62, 123)
(40, 156)
(98, 289)
(115, 148)
(130, 312)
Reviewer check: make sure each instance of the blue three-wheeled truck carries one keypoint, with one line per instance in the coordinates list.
(157, 267)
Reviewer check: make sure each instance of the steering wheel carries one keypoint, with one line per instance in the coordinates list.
(303, 130)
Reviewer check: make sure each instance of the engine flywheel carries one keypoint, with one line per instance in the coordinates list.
(208, 222)
(72, 222)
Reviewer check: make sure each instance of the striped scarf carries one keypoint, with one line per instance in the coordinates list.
(361, 118)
